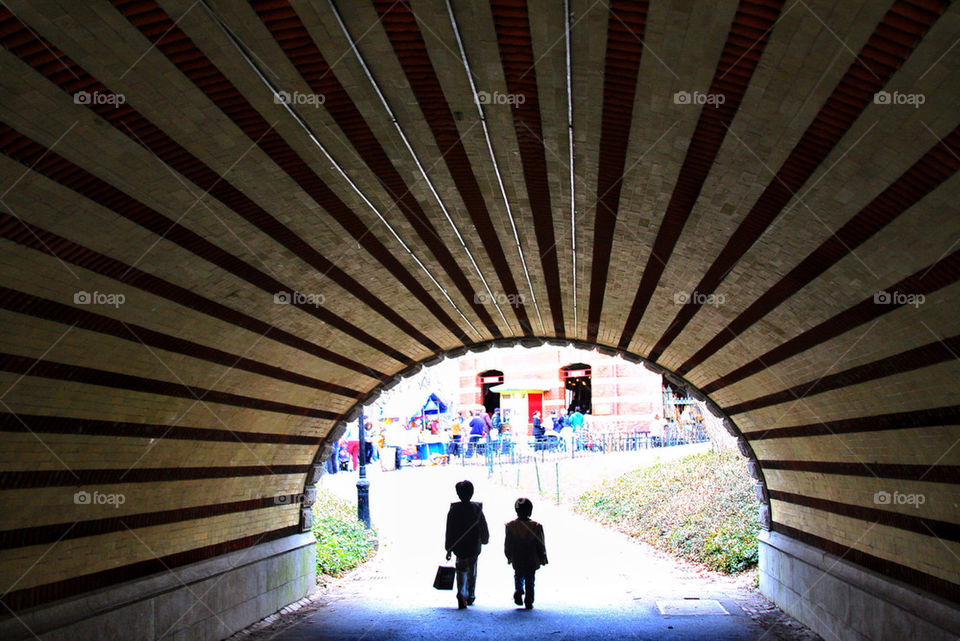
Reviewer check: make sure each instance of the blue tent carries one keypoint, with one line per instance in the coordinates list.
(433, 406)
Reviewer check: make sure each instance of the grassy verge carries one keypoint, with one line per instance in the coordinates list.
(342, 541)
(573, 477)
(701, 507)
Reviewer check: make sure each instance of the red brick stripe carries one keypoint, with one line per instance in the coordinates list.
(940, 163)
(172, 42)
(44, 424)
(46, 309)
(519, 70)
(41, 240)
(903, 472)
(60, 69)
(292, 37)
(401, 28)
(913, 359)
(88, 478)
(922, 282)
(739, 59)
(927, 527)
(90, 376)
(48, 163)
(49, 534)
(889, 46)
(625, 32)
(916, 578)
(933, 417)
(29, 597)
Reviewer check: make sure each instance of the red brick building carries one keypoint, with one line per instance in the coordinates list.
(617, 394)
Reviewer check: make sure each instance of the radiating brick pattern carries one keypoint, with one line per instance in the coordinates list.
(193, 297)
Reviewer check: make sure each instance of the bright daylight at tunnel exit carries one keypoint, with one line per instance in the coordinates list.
(433, 319)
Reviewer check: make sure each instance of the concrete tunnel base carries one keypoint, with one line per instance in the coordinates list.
(845, 602)
(213, 599)
(208, 600)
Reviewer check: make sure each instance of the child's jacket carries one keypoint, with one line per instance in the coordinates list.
(524, 545)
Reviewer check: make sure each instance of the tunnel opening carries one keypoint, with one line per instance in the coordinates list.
(617, 434)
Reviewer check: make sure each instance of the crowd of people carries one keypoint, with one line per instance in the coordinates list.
(468, 433)
(481, 431)
(685, 428)
(438, 439)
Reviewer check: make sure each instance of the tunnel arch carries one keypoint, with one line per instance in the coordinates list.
(754, 466)
(200, 279)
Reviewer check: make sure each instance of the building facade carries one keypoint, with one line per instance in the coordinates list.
(615, 394)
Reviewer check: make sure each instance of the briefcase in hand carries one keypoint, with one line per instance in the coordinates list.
(444, 578)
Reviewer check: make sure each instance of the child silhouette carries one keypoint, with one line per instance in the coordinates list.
(466, 533)
(525, 550)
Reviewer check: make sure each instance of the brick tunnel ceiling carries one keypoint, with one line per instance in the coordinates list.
(764, 203)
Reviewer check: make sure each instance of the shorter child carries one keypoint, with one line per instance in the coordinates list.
(525, 550)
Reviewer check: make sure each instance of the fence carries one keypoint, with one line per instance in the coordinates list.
(509, 451)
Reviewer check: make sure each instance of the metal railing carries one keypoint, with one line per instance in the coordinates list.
(510, 451)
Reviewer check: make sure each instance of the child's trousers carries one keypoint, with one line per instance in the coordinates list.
(523, 583)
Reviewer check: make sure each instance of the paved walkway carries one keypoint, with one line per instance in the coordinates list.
(599, 584)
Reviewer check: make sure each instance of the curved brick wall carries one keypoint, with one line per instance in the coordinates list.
(765, 206)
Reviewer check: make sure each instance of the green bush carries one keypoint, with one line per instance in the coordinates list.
(342, 541)
(701, 507)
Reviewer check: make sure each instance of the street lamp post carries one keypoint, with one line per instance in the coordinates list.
(363, 485)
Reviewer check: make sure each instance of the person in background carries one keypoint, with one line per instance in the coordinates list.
(487, 429)
(506, 438)
(557, 424)
(497, 424)
(381, 439)
(670, 432)
(395, 437)
(369, 436)
(465, 535)
(476, 432)
(332, 464)
(688, 423)
(656, 431)
(352, 437)
(456, 430)
(576, 424)
(526, 551)
(538, 431)
(576, 420)
(566, 433)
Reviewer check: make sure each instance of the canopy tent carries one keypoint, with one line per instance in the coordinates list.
(433, 406)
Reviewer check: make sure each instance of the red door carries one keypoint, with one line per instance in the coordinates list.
(534, 404)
